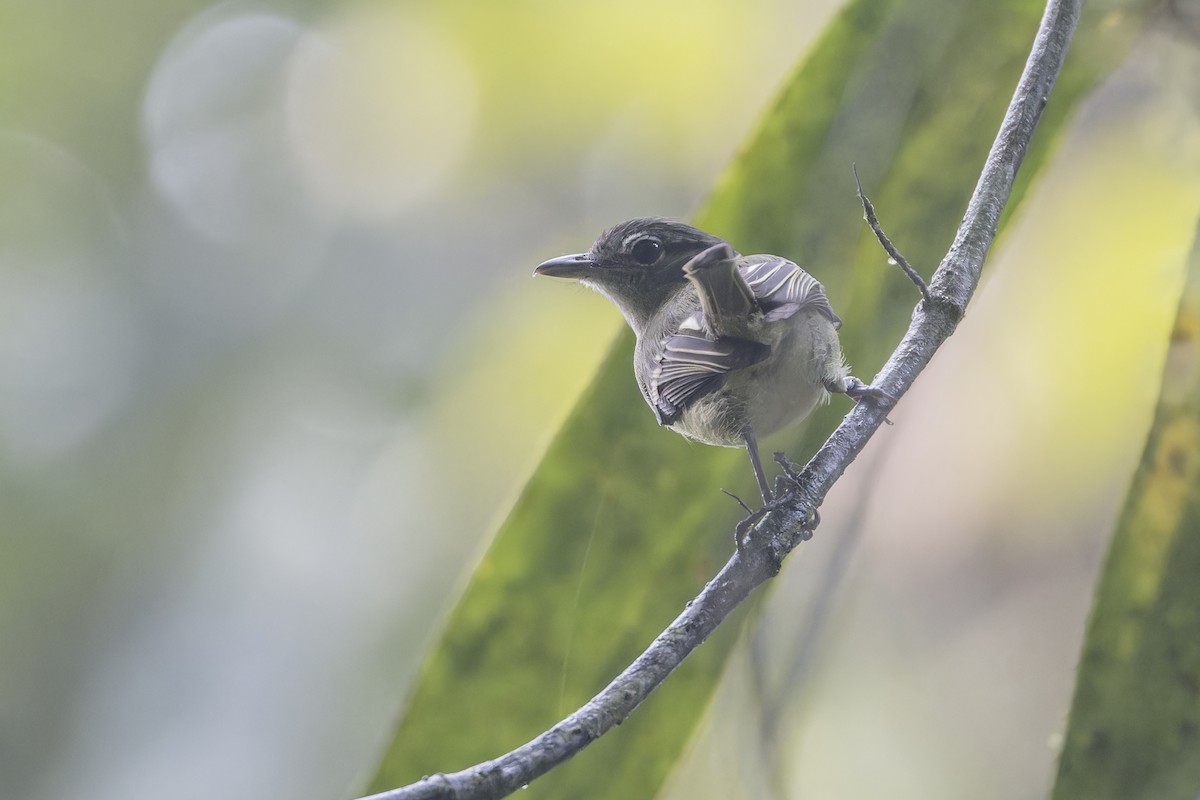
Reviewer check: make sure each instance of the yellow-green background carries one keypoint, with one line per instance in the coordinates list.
(272, 371)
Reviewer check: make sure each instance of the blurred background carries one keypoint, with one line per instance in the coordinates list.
(272, 368)
(271, 360)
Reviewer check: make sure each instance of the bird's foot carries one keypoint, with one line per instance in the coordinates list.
(787, 493)
(858, 391)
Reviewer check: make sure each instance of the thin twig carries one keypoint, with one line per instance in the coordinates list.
(893, 253)
(745, 507)
(783, 527)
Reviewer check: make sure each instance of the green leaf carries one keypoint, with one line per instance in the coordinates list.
(1135, 719)
(622, 523)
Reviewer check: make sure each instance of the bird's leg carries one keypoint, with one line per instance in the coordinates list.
(741, 535)
(756, 462)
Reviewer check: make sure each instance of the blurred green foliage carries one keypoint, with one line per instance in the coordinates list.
(621, 523)
(1134, 729)
(75, 73)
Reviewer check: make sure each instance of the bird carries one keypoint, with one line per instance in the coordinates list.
(729, 348)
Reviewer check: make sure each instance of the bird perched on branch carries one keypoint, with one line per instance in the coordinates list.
(729, 347)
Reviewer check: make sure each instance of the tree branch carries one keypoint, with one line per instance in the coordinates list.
(790, 520)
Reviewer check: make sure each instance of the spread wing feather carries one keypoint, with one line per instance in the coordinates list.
(782, 289)
(692, 366)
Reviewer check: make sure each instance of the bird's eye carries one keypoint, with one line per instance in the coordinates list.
(647, 251)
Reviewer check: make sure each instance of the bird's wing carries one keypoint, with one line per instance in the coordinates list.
(692, 366)
(782, 288)
(726, 302)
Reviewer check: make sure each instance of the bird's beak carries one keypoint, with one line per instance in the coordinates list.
(575, 266)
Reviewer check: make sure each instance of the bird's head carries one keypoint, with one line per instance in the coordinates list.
(637, 264)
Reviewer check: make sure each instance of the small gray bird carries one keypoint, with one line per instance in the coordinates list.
(729, 347)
